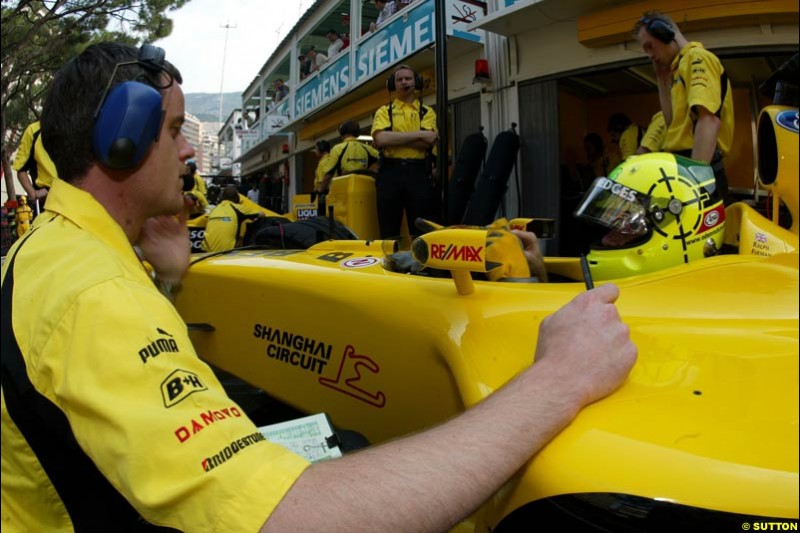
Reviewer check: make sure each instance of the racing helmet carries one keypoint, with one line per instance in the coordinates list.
(662, 210)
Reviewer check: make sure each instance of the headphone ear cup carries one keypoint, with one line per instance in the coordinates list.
(390, 82)
(418, 82)
(127, 124)
(661, 31)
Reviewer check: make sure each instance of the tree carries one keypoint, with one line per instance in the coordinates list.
(39, 36)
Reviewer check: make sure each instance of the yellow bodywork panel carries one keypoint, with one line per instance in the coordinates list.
(708, 417)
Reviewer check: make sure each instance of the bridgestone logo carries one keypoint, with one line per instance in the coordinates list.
(210, 463)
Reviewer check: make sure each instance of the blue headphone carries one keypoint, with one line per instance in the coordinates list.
(129, 117)
(660, 29)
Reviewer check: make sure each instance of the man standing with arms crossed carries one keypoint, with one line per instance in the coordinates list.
(404, 131)
(35, 170)
(100, 376)
(694, 92)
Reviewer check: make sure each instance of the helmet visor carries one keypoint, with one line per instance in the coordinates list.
(615, 206)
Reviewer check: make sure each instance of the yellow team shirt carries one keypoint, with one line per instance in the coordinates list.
(200, 184)
(405, 118)
(199, 192)
(696, 81)
(143, 425)
(629, 141)
(225, 225)
(653, 137)
(319, 175)
(46, 169)
(354, 154)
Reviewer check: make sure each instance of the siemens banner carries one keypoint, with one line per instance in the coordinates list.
(408, 33)
(330, 82)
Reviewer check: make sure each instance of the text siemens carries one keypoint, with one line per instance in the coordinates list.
(398, 40)
(330, 83)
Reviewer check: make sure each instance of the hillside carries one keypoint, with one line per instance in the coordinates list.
(205, 106)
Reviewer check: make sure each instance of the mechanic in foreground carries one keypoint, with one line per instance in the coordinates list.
(110, 422)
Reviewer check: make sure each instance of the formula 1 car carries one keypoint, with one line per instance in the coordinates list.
(703, 434)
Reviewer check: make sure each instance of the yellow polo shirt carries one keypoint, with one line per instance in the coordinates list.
(110, 415)
(354, 154)
(45, 168)
(320, 172)
(629, 141)
(696, 81)
(225, 224)
(405, 118)
(653, 137)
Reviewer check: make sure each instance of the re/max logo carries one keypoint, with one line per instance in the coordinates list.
(454, 252)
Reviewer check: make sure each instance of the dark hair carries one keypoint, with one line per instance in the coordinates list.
(618, 122)
(349, 128)
(74, 95)
(230, 193)
(323, 146)
(595, 140)
(336, 33)
(650, 16)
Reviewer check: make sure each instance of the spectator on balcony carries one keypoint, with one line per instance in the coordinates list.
(281, 89)
(305, 66)
(317, 59)
(337, 44)
(385, 10)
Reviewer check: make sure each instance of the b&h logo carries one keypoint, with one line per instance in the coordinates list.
(179, 385)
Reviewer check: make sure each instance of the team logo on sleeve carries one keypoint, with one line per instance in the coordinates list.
(164, 343)
(179, 385)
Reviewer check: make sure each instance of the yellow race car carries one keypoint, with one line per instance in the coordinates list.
(702, 436)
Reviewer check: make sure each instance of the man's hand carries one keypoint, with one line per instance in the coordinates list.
(586, 346)
(165, 244)
(530, 247)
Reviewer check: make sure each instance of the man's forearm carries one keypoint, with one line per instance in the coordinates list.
(25, 181)
(432, 480)
(705, 137)
(402, 138)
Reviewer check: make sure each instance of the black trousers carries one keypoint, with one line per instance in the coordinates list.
(403, 184)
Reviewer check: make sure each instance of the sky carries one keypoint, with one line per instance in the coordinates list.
(198, 39)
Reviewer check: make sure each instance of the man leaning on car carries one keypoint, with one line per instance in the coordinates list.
(99, 373)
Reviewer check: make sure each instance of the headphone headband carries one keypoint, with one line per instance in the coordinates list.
(658, 28)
